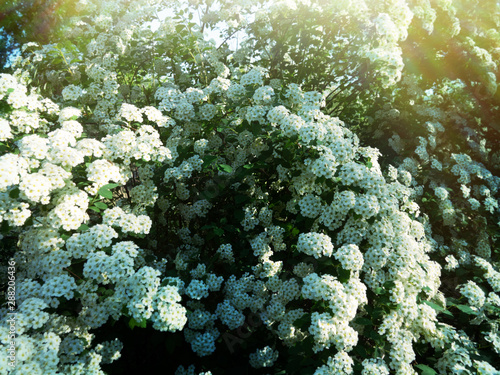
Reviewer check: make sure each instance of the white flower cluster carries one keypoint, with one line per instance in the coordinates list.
(197, 289)
(72, 93)
(441, 193)
(130, 113)
(230, 316)
(315, 244)
(253, 77)
(101, 172)
(127, 146)
(127, 222)
(113, 268)
(341, 363)
(226, 252)
(264, 357)
(189, 371)
(350, 257)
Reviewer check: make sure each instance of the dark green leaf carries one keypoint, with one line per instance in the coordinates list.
(344, 275)
(238, 199)
(14, 193)
(207, 160)
(436, 307)
(426, 370)
(109, 186)
(226, 168)
(101, 205)
(134, 323)
(303, 322)
(363, 322)
(106, 193)
(83, 228)
(466, 309)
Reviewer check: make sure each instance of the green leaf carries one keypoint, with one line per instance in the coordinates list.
(466, 309)
(219, 231)
(436, 307)
(14, 193)
(225, 168)
(5, 227)
(101, 205)
(377, 313)
(388, 285)
(3, 147)
(426, 370)
(109, 186)
(134, 323)
(83, 228)
(303, 322)
(363, 322)
(238, 199)
(255, 128)
(343, 275)
(239, 215)
(95, 209)
(106, 193)
(207, 160)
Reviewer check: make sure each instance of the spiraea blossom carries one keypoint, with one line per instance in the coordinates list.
(298, 195)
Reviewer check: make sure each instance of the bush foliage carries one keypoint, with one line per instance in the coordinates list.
(313, 192)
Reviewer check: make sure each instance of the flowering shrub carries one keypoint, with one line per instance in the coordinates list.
(153, 182)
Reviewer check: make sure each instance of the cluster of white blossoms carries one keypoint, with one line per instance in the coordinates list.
(189, 371)
(350, 257)
(341, 363)
(145, 144)
(225, 251)
(474, 294)
(101, 172)
(315, 244)
(72, 93)
(127, 222)
(264, 357)
(47, 177)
